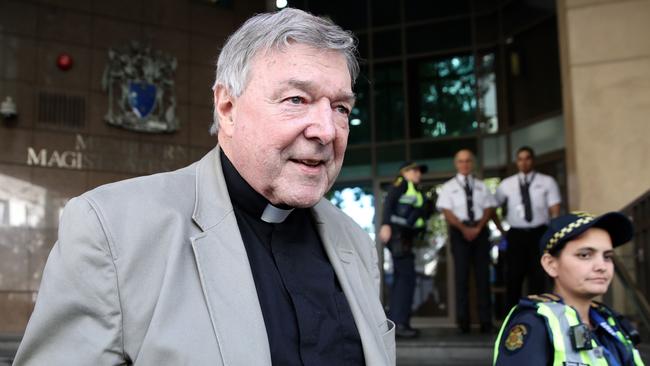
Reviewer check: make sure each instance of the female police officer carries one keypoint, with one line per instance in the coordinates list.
(568, 327)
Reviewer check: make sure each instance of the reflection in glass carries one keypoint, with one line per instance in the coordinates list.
(439, 155)
(357, 202)
(389, 159)
(453, 97)
(389, 101)
(446, 97)
(359, 116)
(357, 163)
(21, 203)
(487, 91)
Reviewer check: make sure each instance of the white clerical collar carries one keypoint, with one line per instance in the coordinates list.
(275, 215)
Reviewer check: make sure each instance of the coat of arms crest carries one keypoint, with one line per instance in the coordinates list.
(140, 86)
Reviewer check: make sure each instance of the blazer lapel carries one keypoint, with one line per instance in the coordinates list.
(224, 271)
(345, 264)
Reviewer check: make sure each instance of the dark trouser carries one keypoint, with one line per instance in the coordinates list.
(477, 254)
(522, 260)
(401, 293)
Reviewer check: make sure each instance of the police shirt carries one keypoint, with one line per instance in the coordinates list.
(526, 341)
(452, 197)
(543, 191)
(306, 314)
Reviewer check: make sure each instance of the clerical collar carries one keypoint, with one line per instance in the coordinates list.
(246, 198)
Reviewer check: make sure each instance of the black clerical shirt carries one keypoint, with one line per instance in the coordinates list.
(307, 317)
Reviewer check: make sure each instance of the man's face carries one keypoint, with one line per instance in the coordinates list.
(584, 267)
(524, 162)
(287, 133)
(464, 162)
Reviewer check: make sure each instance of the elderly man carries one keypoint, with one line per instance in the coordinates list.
(236, 259)
(468, 205)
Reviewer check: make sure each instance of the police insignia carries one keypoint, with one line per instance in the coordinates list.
(516, 337)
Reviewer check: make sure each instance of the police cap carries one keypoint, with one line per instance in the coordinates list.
(567, 227)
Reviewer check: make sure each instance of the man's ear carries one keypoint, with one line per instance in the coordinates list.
(549, 263)
(224, 105)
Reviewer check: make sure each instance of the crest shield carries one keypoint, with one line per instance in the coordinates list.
(142, 98)
(140, 86)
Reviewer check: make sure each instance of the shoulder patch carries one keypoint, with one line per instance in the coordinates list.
(398, 181)
(516, 337)
(544, 298)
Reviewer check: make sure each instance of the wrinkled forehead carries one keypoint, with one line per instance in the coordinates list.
(267, 55)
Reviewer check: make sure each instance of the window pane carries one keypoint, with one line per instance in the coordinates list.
(358, 202)
(439, 155)
(487, 91)
(442, 36)
(495, 152)
(354, 17)
(357, 164)
(544, 136)
(430, 9)
(385, 12)
(360, 116)
(389, 159)
(389, 101)
(443, 97)
(387, 43)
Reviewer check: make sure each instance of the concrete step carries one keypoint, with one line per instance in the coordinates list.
(445, 347)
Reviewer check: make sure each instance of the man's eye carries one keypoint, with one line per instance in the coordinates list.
(343, 109)
(296, 100)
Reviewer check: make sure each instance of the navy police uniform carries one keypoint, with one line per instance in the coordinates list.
(527, 338)
(543, 331)
(405, 211)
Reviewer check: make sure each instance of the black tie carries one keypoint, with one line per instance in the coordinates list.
(470, 202)
(525, 199)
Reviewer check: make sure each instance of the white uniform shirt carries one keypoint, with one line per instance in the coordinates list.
(543, 192)
(452, 197)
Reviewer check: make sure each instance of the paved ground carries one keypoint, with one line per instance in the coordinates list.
(435, 347)
(445, 347)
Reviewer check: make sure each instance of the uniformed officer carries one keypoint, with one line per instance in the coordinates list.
(531, 199)
(468, 205)
(568, 327)
(404, 216)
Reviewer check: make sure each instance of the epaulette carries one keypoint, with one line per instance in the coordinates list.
(544, 298)
(531, 301)
(398, 181)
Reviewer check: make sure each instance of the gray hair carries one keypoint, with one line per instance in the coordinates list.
(277, 30)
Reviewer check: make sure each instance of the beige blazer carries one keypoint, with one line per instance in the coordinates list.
(153, 271)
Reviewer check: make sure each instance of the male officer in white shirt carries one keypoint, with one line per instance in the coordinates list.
(468, 205)
(531, 200)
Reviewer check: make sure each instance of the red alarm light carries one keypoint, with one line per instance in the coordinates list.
(64, 62)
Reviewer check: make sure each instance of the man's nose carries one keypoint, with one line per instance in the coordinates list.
(321, 123)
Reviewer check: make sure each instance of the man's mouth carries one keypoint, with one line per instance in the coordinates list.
(308, 162)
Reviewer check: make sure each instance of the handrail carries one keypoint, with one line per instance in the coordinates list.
(631, 286)
(639, 299)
